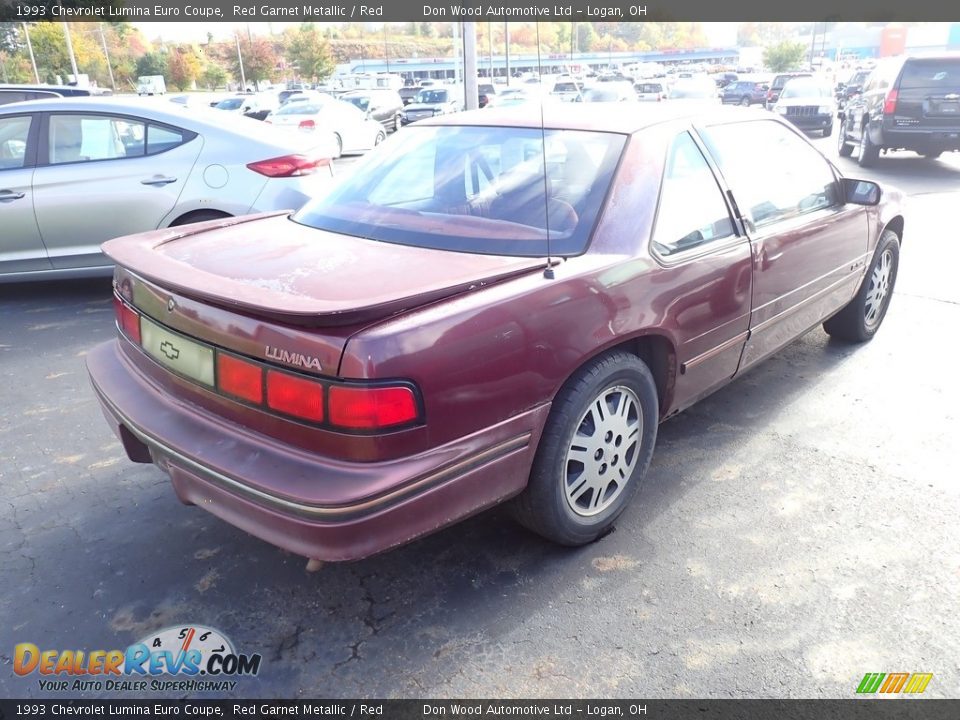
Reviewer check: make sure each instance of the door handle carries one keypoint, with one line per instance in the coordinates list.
(158, 181)
(8, 195)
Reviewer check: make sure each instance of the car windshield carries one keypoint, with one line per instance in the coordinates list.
(475, 189)
(432, 96)
(361, 101)
(805, 87)
(300, 108)
(229, 104)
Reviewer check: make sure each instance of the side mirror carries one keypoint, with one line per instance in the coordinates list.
(861, 192)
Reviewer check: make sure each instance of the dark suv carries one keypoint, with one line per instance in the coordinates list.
(745, 92)
(907, 103)
(853, 86)
(384, 106)
(773, 92)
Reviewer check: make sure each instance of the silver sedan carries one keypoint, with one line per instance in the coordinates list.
(75, 173)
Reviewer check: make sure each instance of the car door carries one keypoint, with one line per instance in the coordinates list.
(21, 248)
(102, 176)
(809, 248)
(706, 271)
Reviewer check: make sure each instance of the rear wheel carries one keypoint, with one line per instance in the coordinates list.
(844, 148)
(594, 452)
(745, 101)
(861, 318)
(869, 153)
(337, 145)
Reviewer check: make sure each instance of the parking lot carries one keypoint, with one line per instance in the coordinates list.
(796, 530)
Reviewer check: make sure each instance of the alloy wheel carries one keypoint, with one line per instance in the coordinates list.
(879, 290)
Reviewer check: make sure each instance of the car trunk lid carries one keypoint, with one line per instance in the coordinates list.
(271, 267)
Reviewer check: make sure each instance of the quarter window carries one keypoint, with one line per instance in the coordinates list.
(692, 212)
(161, 138)
(803, 181)
(14, 132)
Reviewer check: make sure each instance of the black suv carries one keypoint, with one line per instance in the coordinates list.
(773, 92)
(907, 103)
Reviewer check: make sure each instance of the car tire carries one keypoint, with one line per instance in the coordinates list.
(381, 136)
(606, 414)
(860, 319)
(869, 153)
(397, 124)
(745, 101)
(199, 216)
(932, 155)
(844, 148)
(337, 146)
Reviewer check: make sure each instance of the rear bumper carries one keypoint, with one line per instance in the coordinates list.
(920, 139)
(245, 478)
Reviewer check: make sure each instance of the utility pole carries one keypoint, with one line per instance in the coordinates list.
(73, 60)
(386, 47)
(106, 54)
(470, 65)
(490, 49)
(506, 49)
(243, 79)
(456, 53)
(33, 61)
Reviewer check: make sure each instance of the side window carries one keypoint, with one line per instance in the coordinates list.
(803, 182)
(14, 132)
(84, 138)
(692, 212)
(161, 138)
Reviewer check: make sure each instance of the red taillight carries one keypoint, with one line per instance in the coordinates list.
(288, 166)
(240, 378)
(127, 319)
(307, 125)
(293, 395)
(367, 408)
(890, 104)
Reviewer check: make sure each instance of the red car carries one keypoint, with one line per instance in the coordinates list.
(487, 309)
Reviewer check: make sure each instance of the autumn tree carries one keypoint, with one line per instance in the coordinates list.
(214, 76)
(783, 56)
(310, 53)
(183, 66)
(259, 60)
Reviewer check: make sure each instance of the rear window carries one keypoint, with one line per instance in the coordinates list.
(937, 74)
(650, 88)
(475, 189)
(432, 96)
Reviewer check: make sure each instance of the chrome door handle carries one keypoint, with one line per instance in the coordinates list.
(158, 181)
(8, 195)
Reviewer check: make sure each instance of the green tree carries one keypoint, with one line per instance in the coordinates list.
(783, 56)
(152, 63)
(214, 76)
(310, 52)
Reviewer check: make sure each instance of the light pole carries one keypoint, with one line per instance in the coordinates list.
(243, 79)
(106, 54)
(73, 60)
(33, 61)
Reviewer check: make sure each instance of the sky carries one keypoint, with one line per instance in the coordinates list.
(720, 34)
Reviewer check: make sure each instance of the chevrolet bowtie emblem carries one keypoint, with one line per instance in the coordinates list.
(169, 349)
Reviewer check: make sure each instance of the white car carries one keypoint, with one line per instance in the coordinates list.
(75, 173)
(347, 129)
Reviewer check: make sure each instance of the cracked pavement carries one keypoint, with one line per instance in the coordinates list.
(796, 530)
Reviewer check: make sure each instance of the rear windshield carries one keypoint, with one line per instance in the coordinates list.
(432, 96)
(938, 74)
(475, 189)
(650, 88)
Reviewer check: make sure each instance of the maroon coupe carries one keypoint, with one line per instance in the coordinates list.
(492, 307)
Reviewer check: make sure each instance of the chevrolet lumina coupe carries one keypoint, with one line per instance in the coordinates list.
(490, 308)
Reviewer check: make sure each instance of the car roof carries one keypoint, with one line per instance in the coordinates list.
(628, 119)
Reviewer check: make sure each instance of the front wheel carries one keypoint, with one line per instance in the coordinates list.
(594, 452)
(861, 318)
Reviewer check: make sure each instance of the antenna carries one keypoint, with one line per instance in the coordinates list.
(548, 272)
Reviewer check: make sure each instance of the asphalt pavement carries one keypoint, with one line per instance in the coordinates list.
(796, 530)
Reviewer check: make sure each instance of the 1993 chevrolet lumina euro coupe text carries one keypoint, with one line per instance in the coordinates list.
(397, 355)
